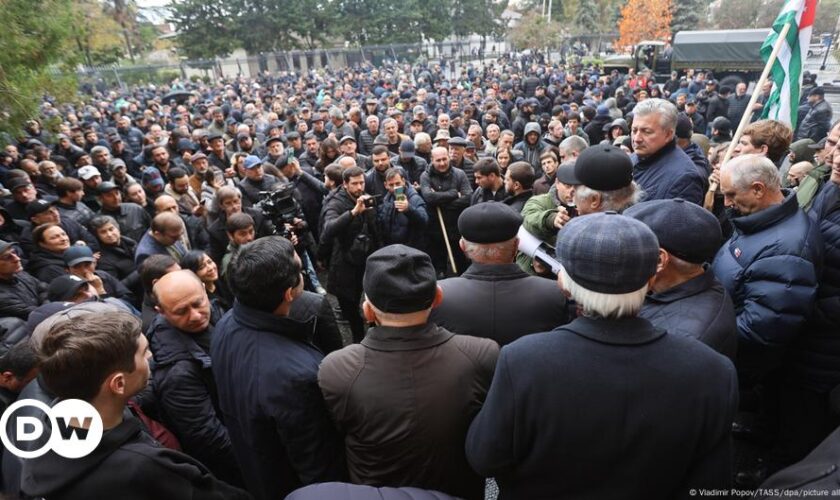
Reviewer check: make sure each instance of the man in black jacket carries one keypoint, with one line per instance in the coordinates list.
(447, 193)
(494, 298)
(104, 360)
(564, 404)
(20, 293)
(350, 230)
(179, 338)
(133, 220)
(687, 299)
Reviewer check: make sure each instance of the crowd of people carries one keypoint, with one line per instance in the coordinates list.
(554, 286)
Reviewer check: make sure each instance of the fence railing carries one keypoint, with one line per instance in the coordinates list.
(450, 53)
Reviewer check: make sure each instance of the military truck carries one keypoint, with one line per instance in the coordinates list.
(732, 55)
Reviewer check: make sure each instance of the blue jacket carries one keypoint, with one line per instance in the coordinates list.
(266, 372)
(816, 353)
(669, 173)
(406, 227)
(770, 267)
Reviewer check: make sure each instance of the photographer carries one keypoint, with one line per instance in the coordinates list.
(402, 214)
(350, 227)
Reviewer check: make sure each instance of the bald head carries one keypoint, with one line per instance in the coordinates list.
(440, 159)
(165, 203)
(181, 299)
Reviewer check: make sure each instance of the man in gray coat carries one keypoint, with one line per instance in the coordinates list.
(687, 299)
(495, 298)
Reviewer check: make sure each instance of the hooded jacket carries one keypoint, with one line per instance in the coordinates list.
(531, 152)
(128, 464)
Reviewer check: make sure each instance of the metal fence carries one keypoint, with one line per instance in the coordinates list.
(472, 49)
(448, 54)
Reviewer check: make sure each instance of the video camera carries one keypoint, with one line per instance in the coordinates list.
(280, 207)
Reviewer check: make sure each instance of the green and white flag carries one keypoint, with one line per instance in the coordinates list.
(786, 73)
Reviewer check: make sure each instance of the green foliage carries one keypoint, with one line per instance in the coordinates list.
(205, 28)
(743, 14)
(586, 20)
(827, 12)
(35, 58)
(210, 28)
(686, 14)
(534, 32)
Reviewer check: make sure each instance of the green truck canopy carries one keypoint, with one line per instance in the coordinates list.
(735, 49)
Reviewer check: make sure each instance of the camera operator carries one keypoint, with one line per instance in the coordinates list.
(255, 181)
(350, 227)
(282, 207)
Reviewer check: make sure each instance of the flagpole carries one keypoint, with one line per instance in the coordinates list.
(745, 119)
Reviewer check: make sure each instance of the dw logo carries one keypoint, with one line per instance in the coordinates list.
(76, 428)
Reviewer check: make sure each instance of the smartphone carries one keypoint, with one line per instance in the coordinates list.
(399, 193)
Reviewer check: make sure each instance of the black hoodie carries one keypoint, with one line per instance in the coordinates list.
(127, 464)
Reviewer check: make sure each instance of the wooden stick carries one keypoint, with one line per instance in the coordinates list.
(446, 240)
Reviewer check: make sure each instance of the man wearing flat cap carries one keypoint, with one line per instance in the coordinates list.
(494, 298)
(607, 406)
(404, 397)
(601, 179)
(686, 297)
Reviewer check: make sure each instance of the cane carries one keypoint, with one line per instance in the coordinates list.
(446, 240)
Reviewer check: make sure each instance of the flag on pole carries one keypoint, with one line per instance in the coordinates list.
(786, 73)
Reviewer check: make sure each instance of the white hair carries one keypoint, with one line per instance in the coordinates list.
(573, 143)
(747, 169)
(604, 305)
(617, 200)
(422, 138)
(665, 109)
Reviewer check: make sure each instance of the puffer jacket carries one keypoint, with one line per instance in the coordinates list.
(403, 227)
(182, 378)
(770, 268)
(816, 353)
(450, 191)
(21, 295)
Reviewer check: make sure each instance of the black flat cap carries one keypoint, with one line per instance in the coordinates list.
(276, 138)
(458, 141)
(602, 168)
(490, 222)
(400, 279)
(685, 230)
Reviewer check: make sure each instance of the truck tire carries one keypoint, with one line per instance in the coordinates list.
(731, 81)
